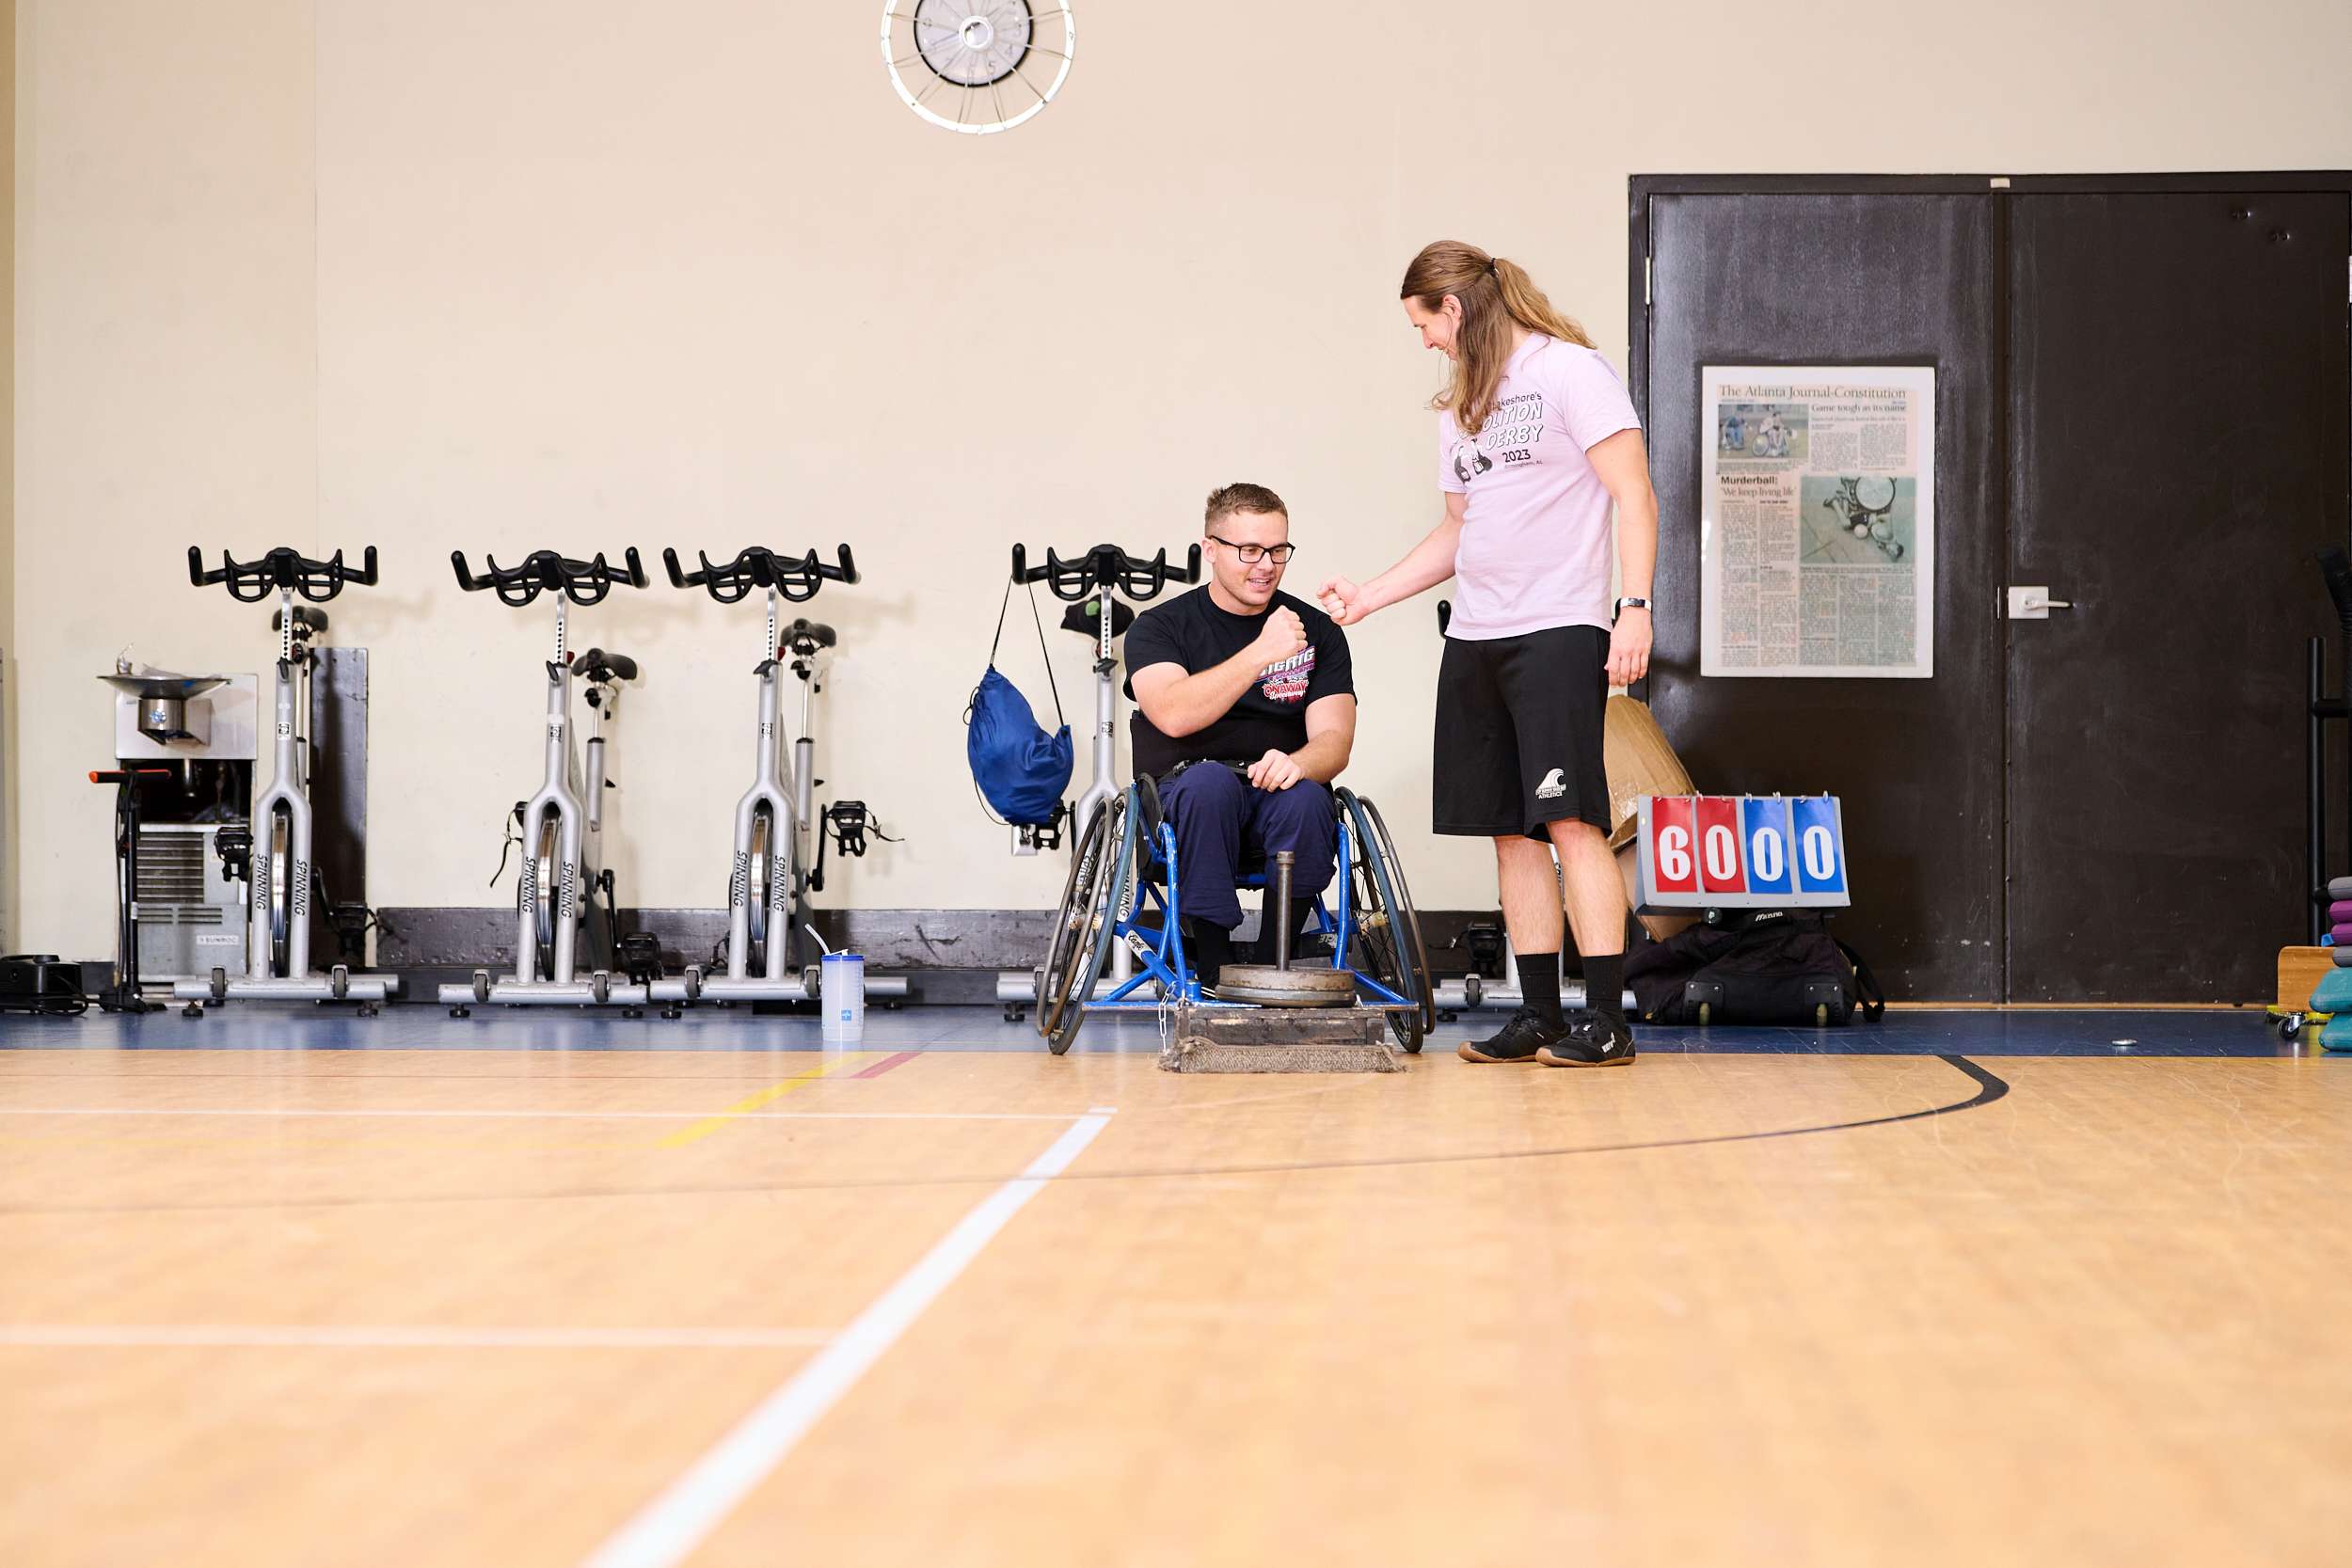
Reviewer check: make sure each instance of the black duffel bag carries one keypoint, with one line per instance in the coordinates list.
(1766, 967)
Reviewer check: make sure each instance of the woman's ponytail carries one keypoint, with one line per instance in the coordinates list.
(1495, 294)
(1531, 310)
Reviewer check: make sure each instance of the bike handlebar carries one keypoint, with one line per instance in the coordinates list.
(283, 568)
(583, 583)
(795, 578)
(1105, 567)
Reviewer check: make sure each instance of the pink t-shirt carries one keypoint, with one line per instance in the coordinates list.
(1535, 549)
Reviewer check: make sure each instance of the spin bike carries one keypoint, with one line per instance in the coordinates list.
(272, 855)
(773, 871)
(1107, 572)
(559, 928)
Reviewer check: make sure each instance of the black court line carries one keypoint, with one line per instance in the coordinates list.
(1990, 1087)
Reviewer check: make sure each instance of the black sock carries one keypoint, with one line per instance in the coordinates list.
(1210, 947)
(1539, 985)
(1604, 986)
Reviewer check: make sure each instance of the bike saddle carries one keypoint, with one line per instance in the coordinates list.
(596, 665)
(806, 637)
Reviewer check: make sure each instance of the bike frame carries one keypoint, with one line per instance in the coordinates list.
(575, 798)
(1019, 987)
(288, 794)
(785, 790)
(788, 818)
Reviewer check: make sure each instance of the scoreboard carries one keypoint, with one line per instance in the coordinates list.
(1741, 853)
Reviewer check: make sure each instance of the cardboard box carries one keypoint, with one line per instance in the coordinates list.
(1638, 762)
(1662, 926)
(2300, 970)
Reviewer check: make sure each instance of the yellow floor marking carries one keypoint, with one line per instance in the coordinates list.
(766, 1097)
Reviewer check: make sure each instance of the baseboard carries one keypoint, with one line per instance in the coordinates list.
(456, 939)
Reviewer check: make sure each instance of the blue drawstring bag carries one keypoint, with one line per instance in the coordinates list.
(1019, 770)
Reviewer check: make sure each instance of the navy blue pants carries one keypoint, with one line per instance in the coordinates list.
(1218, 814)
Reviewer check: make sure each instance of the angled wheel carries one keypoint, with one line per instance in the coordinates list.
(1417, 950)
(1084, 854)
(1388, 934)
(1101, 864)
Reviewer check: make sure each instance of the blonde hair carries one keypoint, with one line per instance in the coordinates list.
(1495, 295)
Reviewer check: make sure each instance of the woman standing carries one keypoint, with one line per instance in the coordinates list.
(1537, 442)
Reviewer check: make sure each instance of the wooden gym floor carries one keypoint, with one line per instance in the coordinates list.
(452, 1303)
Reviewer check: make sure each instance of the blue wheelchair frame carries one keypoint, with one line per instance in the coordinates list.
(1163, 963)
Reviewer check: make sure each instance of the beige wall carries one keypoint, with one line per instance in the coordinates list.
(577, 274)
(9, 924)
(167, 383)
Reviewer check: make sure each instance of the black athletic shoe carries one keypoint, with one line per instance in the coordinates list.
(1591, 1040)
(1519, 1040)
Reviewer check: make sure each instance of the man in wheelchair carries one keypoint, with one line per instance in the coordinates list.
(1245, 713)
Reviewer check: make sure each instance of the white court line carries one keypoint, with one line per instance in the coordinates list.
(683, 1517)
(399, 1337)
(528, 1115)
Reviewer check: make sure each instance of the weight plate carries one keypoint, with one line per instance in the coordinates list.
(1269, 986)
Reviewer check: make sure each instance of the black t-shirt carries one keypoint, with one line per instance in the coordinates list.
(1271, 716)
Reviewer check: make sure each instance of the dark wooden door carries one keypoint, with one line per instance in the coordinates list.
(2178, 426)
(1850, 279)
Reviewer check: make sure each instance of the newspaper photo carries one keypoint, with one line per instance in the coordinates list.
(1817, 522)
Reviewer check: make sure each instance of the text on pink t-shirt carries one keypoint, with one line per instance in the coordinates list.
(1535, 547)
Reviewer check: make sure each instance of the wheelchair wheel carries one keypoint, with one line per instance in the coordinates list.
(1085, 847)
(1417, 951)
(1101, 868)
(1388, 933)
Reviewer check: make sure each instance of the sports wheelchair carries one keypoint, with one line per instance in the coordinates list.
(1120, 888)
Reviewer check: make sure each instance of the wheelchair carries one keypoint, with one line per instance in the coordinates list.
(1120, 888)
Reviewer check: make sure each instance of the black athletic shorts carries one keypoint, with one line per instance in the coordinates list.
(1520, 726)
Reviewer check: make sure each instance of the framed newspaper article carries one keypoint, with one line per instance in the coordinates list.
(1817, 523)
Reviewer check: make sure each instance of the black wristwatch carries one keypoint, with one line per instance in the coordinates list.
(1631, 600)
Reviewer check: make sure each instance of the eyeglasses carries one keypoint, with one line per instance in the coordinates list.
(1250, 555)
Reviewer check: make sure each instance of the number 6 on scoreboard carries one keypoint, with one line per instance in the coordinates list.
(1668, 858)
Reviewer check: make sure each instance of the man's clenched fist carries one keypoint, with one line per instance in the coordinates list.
(1282, 635)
